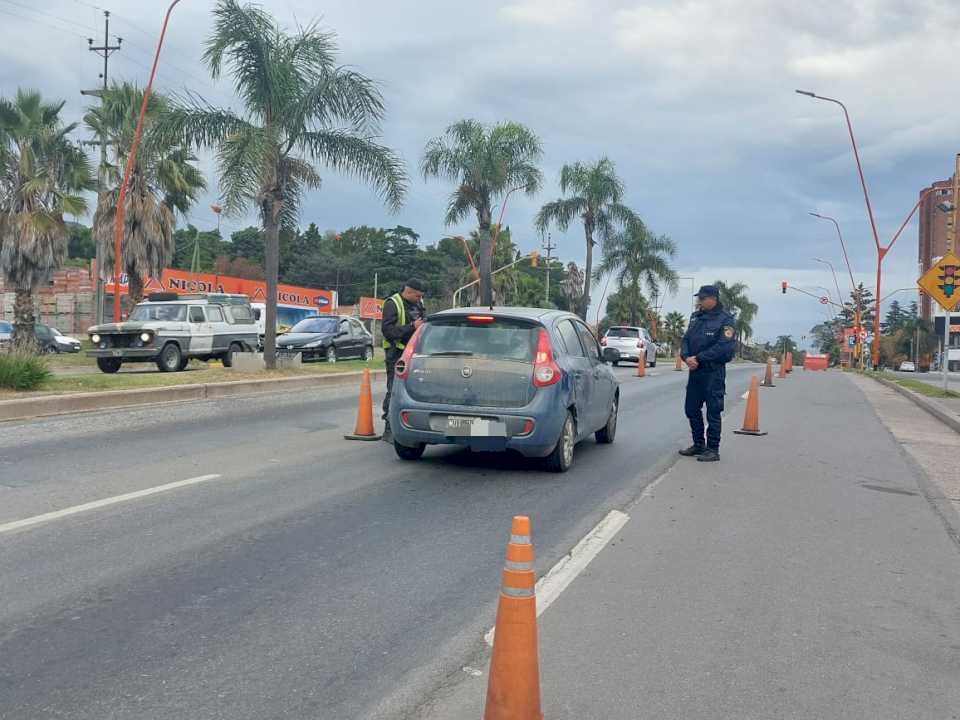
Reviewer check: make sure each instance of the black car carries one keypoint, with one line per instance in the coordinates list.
(328, 337)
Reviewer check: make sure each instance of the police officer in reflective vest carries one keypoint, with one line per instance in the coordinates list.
(708, 345)
(403, 313)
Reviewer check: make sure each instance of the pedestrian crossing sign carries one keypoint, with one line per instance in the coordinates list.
(942, 281)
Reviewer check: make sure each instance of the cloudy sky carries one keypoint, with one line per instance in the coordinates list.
(693, 99)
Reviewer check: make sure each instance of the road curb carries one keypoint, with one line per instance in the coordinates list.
(931, 407)
(46, 406)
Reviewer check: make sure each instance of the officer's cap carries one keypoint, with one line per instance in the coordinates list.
(708, 291)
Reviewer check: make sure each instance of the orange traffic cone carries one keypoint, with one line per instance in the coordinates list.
(679, 365)
(751, 418)
(364, 429)
(513, 688)
(642, 366)
(783, 366)
(789, 362)
(768, 375)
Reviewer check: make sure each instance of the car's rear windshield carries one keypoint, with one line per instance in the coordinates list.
(5, 327)
(159, 311)
(501, 339)
(316, 325)
(623, 332)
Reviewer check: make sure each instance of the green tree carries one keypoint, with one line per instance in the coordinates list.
(42, 173)
(639, 259)
(300, 109)
(674, 326)
(593, 193)
(164, 181)
(896, 317)
(486, 164)
(197, 250)
(80, 243)
(735, 300)
(866, 305)
(247, 243)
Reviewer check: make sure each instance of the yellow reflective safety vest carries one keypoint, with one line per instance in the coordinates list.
(401, 321)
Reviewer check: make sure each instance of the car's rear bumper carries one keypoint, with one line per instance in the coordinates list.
(426, 423)
(139, 354)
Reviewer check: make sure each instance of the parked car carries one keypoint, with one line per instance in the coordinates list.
(632, 343)
(64, 343)
(907, 366)
(170, 329)
(523, 379)
(6, 333)
(328, 337)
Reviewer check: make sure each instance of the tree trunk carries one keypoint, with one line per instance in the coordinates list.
(585, 300)
(271, 233)
(24, 321)
(486, 260)
(135, 286)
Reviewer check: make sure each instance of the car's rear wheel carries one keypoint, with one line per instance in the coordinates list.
(228, 358)
(109, 365)
(561, 458)
(171, 359)
(409, 453)
(608, 432)
(331, 354)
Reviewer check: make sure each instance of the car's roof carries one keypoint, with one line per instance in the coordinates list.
(519, 313)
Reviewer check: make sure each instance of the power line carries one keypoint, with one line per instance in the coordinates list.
(89, 5)
(4, 11)
(49, 15)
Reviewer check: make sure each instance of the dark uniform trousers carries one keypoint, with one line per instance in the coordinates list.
(706, 386)
(391, 355)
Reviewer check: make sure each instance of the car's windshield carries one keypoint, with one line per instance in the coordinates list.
(623, 332)
(156, 311)
(315, 325)
(501, 339)
(5, 327)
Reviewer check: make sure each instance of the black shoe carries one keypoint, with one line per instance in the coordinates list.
(693, 451)
(387, 434)
(709, 455)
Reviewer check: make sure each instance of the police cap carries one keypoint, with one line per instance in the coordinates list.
(708, 291)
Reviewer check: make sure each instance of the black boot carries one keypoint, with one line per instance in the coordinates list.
(387, 433)
(709, 455)
(693, 451)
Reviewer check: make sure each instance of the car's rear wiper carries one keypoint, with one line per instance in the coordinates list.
(452, 353)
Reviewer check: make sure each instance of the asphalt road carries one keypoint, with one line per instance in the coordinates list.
(314, 578)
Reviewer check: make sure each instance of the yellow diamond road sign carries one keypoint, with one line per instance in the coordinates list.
(942, 281)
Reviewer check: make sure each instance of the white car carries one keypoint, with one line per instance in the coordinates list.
(65, 343)
(632, 342)
(907, 367)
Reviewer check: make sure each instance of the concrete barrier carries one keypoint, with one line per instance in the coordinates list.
(50, 405)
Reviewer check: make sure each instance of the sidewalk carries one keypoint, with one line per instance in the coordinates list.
(804, 576)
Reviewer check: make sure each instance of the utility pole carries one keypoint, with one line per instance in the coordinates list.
(951, 244)
(104, 51)
(549, 247)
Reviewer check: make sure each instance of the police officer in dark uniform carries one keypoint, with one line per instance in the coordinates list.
(403, 313)
(708, 345)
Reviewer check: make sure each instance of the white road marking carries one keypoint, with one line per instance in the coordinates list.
(550, 586)
(105, 502)
(745, 395)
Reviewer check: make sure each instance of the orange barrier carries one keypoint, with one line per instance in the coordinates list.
(751, 418)
(815, 362)
(768, 375)
(679, 365)
(364, 427)
(642, 365)
(513, 688)
(789, 362)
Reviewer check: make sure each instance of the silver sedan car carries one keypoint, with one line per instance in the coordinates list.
(632, 343)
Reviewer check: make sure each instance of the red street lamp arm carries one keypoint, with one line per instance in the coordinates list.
(131, 158)
(856, 155)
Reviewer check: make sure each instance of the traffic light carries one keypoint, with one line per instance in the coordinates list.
(783, 287)
(534, 257)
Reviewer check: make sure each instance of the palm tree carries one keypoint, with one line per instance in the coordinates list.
(674, 326)
(163, 181)
(592, 193)
(735, 300)
(639, 259)
(487, 164)
(42, 173)
(300, 109)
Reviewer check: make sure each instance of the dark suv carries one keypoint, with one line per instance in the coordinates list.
(522, 379)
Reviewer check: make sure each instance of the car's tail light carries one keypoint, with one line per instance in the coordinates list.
(639, 344)
(545, 370)
(603, 341)
(481, 319)
(527, 427)
(402, 368)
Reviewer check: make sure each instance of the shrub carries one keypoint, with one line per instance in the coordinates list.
(19, 371)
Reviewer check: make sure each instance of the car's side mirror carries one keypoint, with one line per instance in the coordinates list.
(611, 355)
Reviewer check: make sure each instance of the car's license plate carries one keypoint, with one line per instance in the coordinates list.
(475, 427)
(117, 353)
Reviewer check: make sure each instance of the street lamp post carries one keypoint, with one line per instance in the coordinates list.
(858, 305)
(835, 281)
(881, 249)
(134, 146)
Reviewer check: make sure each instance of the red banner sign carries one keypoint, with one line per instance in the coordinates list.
(184, 282)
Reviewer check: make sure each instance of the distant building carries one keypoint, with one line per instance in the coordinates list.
(933, 234)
